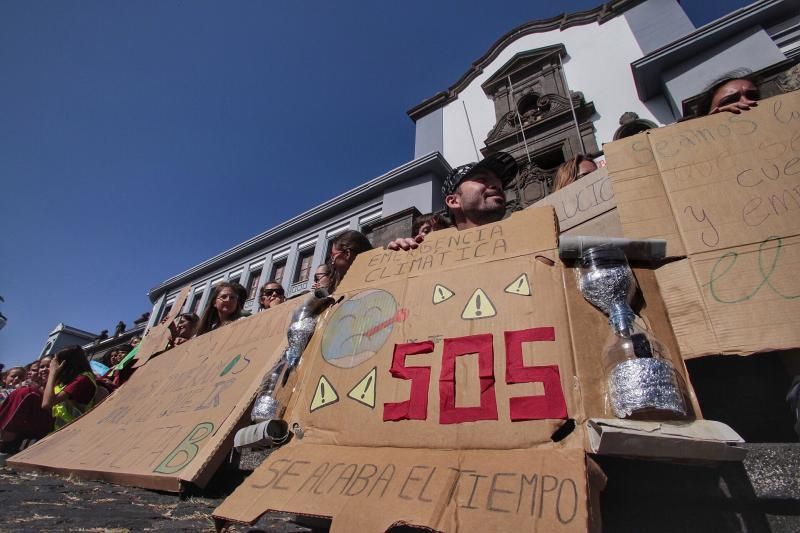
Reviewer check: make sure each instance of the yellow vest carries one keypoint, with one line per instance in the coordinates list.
(68, 410)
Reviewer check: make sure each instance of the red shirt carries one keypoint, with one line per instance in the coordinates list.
(80, 390)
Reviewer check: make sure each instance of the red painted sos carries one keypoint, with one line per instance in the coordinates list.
(551, 404)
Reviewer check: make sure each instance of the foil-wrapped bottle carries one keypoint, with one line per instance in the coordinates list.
(304, 320)
(640, 378)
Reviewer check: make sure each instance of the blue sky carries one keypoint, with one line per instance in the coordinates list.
(139, 138)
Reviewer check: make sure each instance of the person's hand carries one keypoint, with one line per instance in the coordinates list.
(179, 340)
(406, 243)
(56, 367)
(736, 107)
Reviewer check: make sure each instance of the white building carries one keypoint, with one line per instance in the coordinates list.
(550, 89)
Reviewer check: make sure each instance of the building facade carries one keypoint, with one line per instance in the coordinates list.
(551, 89)
(382, 208)
(544, 92)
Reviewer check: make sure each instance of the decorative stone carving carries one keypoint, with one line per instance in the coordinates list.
(542, 108)
(631, 124)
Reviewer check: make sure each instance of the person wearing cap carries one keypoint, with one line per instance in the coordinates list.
(473, 193)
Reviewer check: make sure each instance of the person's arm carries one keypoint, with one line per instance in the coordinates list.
(49, 397)
(406, 243)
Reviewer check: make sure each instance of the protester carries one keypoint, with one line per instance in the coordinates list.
(11, 381)
(573, 170)
(473, 195)
(271, 295)
(134, 341)
(182, 329)
(344, 250)
(116, 354)
(44, 370)
(322, 277)
(224, 306)
(33, 371)
(14, 377)
(733, 92)
(425, 224)
(71, 386)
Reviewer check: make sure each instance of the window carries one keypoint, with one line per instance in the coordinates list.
(277, 270)
(329, 250)
(166, 310)
(198, 297)
(252, 289)
(304, 260)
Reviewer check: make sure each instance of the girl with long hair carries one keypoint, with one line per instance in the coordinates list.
(344, 250)
(224, 306)
(71, 386)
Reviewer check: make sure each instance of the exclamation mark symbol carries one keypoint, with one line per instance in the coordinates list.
(366, 387)
(519, 285)
(441, 294)
(478, 311)
(322, 391)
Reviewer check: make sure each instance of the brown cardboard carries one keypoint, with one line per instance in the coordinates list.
(173, 421)
(345, 388)
(697, 440)
(724, 191)
(586, 207)
(373, 489)
(157, 337)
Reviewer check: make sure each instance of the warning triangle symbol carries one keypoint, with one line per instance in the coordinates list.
(364, 391)
(441, 293)
(324, 395)
(520, 286)
(478, 306)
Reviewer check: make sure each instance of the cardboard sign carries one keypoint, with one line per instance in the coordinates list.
(586, 206)
(158, 336)
(173, 421)
(724, 191)
(471, 352)
(373, 489)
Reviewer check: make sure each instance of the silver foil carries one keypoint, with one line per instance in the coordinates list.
(646, 383)
(304, 320)
(299, 333)
(265, 408)
(608, 287)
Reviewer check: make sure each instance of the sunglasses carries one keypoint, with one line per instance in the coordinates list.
(318, 277)
(270, 292)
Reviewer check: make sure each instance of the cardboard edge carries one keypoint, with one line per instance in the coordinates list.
(210, 467)
(621, 442)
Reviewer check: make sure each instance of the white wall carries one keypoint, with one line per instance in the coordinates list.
(423, 192)
(598, 64)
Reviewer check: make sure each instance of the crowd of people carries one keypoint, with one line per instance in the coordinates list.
(51, 392)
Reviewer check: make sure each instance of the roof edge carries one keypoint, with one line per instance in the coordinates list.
(720, 29)
(599, 14)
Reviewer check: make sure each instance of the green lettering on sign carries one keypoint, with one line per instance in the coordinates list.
(230, 365)
(183, 454)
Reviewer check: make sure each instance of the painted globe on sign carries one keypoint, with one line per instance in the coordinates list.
(359, 328)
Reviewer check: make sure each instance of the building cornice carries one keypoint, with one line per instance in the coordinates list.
(433, 162)
(648, 69)
(600, 14)
(63, 328)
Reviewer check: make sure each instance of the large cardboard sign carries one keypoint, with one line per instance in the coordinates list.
(439, 392)
(724, 191)
(586, 206)
(173, 421)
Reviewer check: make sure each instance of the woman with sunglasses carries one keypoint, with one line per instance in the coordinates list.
(322, 277)
(271, 295)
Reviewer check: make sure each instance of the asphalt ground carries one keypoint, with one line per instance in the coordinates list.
(31, 501)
